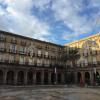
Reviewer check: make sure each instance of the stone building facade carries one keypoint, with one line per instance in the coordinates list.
(28, 61)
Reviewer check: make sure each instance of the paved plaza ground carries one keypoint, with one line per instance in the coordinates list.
(49, 93)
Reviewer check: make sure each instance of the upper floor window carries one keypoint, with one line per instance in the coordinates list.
(13, 40)
(46, 53)
(94, 60)
(39, 52)
(22, 49)
(2, 57)
(1, 45)
(22, 60)
(2, 37)
(11, 58)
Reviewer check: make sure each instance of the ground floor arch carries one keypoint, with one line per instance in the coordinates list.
(1, 77)
(53, 76)
(59, 78)
(38, 77)
(30, 78)
(97, 78)
(79, 77)
(20, 78)
(87, 78)
(10, 78)
(46, 78)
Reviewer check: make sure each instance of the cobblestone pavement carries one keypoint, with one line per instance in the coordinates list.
(62, 93)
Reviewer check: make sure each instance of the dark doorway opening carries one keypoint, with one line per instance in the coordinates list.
(1, 77)
(38, 78)
(10, 77)
(20, 78)
(30, 78)
(45, 78)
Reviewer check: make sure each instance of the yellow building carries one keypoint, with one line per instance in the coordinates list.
(89, 61)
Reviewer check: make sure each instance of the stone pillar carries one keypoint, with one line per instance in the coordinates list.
(83, 77)
(56, 78)
(15, 78)
(42, 77)
(34, 77)
(49, 77)
(25, 78)
(5, 77)
(91, 78)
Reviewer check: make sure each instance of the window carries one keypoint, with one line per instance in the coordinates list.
(39, 52)
(47, 62)
(22, 60)
(2, 46)
(22, 50)
(39, 62)
(2, 57)
(2, 37)
(94, 60)
(11, 59)
(31, 61)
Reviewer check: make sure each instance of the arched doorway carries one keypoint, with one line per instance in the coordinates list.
(97, 78)
(53, 78)
(20, 78)
(30, 77)
(68, 78)
(38, 78)
(1, 77)
(45, 78)
(59, 78)
(72, 78)
(87, 78)
(10, 77)
(79, 77)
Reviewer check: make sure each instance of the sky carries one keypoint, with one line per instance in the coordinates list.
(57, 21)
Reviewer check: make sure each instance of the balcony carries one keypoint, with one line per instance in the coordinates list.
(12, 51)
(14, 41)
(39, 55)
(22, 53)
(31, 54)
(46, 56)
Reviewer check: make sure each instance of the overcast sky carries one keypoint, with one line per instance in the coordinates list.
(58, 21)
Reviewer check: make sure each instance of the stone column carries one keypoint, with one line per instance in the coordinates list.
(15, 78)
(42, 77)
(5, 77)
(56, 78)
(83, 77)
(49, 77)
(91, 78)
(34, 77)
(25, 78)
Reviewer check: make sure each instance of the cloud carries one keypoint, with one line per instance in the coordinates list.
(33, 18)
(17, 17)
(41, 4)
(77, 15)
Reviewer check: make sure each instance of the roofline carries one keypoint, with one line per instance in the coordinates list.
(97, 34)
(29, 38)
